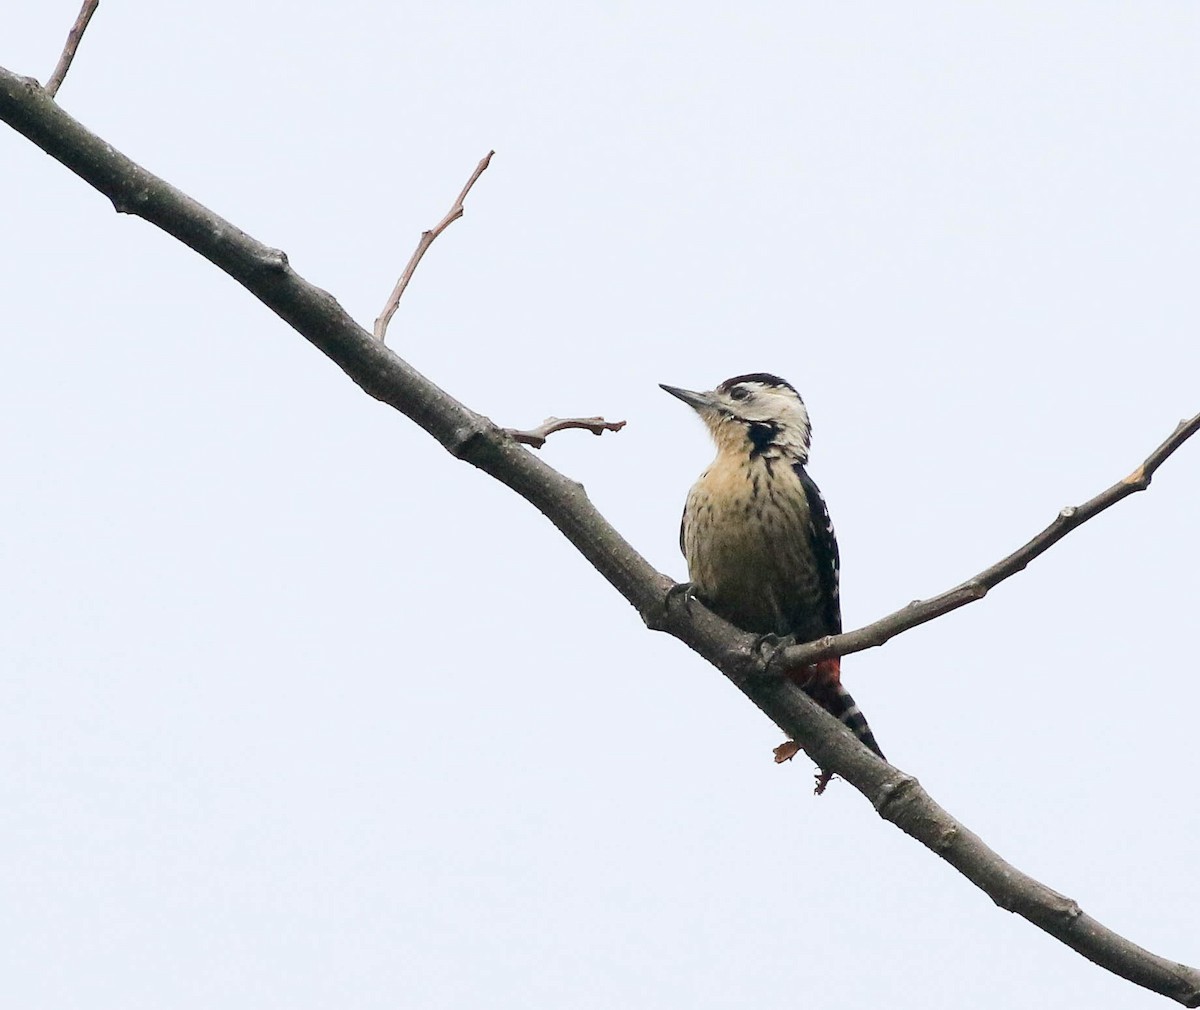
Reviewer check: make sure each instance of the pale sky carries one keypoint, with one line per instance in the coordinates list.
(298, 711)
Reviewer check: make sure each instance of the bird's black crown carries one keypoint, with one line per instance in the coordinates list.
(766, 378)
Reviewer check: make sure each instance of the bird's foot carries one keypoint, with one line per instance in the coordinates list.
(687, 590)
(766, 648)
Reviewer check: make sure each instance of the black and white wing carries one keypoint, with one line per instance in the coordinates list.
(825, 553)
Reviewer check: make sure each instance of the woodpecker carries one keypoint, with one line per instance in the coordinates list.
(756, 533)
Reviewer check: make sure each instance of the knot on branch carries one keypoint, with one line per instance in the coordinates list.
(467, 442)
(272, 261)
(1071, 914)
(945, 840)
(892, 795)
(129, 202)
(1139, 480)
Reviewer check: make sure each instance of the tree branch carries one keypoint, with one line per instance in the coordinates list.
(536, 437)
(317, 316)
(68, 53)
(976, 588)
(427, 237)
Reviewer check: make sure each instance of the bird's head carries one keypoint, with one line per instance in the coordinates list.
(755, 414)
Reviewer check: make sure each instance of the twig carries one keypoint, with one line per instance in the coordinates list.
(976, 588)
(427, 237)
(317, 316)
(68, 53)
(536, 437)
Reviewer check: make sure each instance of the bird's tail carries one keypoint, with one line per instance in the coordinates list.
(836, 700)
(823, 684)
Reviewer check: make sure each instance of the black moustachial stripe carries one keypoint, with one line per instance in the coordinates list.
(762, 434)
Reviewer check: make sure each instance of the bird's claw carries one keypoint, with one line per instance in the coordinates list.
(767, 643)
(685, 589)
(767, 646)
(658, 617)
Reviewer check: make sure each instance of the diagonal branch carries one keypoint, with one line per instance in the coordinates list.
(976, 588)
(68, 53)
(536, 437)
(427, 237)
(317, 316)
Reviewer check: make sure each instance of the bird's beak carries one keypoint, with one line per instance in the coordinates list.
(697, 401)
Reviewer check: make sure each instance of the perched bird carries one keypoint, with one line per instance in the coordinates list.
(759, 543)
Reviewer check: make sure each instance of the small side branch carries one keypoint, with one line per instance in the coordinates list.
(536, 437)
(977, 587)
(427, 237)
(68, 53)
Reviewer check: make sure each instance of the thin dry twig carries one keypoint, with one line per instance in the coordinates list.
(68, 53)
(536, 437)
(977, 587)
(317, 316)
(427, 237)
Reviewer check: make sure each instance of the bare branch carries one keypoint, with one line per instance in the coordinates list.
(427, 237)
(536, 437)
(900, 799)
(976, 588)
(317, 316)
(68, 53)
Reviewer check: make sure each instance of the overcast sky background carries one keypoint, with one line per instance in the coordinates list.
(298, 711)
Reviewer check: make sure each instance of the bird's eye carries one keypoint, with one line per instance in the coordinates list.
(739, 393)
